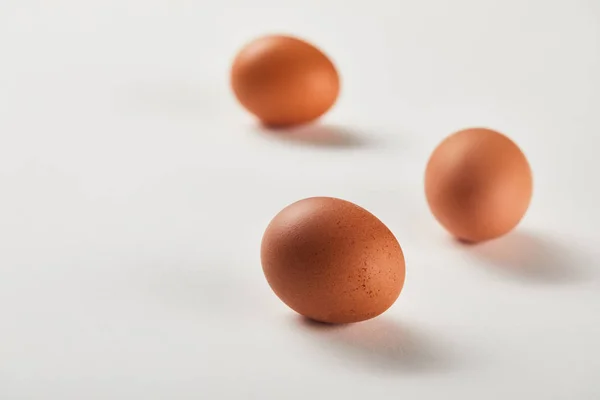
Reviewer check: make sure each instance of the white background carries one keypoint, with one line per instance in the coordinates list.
(134, 192)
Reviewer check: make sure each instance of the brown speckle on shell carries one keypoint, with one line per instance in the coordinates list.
(357, 274)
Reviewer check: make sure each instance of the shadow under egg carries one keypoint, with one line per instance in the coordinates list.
(532, 258)
(380, 344)
(318, 135)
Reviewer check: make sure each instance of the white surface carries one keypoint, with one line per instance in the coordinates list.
(134, 193)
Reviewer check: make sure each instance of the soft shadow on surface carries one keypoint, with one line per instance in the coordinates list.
(319, 135)
(380, 344)
(532, 258)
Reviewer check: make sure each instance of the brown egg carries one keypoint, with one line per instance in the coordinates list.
(478, 184)
(284, 81)
(332, 261)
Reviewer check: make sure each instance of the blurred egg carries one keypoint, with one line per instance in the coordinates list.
(332, 261)
(478, 184)
(284, 81)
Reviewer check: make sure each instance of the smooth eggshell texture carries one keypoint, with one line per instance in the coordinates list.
(284, 81)
(478, 184)
(332, 261)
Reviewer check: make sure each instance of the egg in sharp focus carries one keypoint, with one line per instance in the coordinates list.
(478, 184)
(332, 261)
(284, 81)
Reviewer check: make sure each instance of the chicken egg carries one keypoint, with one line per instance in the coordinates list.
(332, 261)
(284, 80)
(478, 184)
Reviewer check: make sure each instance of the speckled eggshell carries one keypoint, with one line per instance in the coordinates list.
(332, 261)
